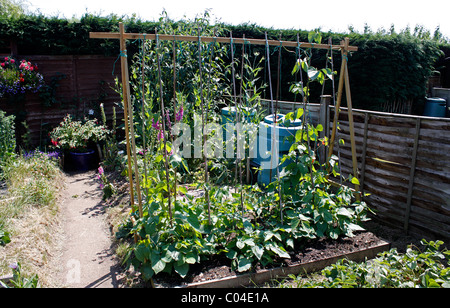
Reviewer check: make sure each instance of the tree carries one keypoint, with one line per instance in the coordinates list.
(12, 8)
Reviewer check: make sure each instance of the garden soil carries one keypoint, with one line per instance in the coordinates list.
(87, 259)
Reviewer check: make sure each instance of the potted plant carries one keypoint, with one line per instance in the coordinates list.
(77, 139)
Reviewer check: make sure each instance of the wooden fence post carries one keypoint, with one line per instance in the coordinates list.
(411, 176)
(364, 152)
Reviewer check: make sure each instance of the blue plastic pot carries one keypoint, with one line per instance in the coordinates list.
(83, 161)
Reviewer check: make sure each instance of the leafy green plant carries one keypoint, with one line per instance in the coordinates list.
(4, 237)
(19, 280)
(7, 138)
(76, 135)
(424, 269)
(246, 227)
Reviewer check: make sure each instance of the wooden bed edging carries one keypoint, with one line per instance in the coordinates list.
(282, 272)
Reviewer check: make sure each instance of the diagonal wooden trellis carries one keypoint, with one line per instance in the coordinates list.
(344, 47)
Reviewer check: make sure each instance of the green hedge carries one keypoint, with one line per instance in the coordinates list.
(388, 68)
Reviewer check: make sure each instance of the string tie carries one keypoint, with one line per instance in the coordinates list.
(121, 54)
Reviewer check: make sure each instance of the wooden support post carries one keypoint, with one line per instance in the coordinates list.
(129, 127)
(411, 177)
(350, 120)
(337, 107)
(344, 80)
(124, 69)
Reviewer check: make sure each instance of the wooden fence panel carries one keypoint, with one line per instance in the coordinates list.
(83, 83)
(404, 162)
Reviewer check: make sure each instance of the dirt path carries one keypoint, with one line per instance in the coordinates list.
(87, 259)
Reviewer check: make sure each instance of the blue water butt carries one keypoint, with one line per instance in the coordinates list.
(435, 107)
(272, 143)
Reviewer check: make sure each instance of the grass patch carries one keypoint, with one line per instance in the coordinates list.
(29, 212)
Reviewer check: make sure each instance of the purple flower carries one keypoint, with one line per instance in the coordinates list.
(14, 266)
(155, 125)
(179, 114)
(169, 124)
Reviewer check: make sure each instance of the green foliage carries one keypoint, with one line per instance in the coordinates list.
(7, 138)
(4, 237)
(76, 135)
(20, 281)
(414, 269)
(12, 9)
(413, 54)
(371, 71)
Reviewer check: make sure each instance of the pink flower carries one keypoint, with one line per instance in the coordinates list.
(179, 114)
(100, 170)
(160, 135)
(155, 125)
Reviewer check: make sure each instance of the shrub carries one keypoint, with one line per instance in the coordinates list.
(7, 137)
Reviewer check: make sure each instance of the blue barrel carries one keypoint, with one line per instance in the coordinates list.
(270, 136)
(435, 107)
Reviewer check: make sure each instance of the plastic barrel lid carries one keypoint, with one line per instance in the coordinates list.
(290, 123)
(270, 119)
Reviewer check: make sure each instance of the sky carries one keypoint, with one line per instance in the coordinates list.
(327, 15)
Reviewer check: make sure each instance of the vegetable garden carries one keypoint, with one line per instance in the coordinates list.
(214, 175)
(179, 83)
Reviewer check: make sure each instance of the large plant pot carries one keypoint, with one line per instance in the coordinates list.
(83, 161)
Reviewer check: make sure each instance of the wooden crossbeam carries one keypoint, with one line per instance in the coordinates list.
(210, 39)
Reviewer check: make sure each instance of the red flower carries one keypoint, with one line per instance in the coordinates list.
(55, 143)
(22, 80)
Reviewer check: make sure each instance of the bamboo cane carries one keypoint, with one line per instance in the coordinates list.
(166, 161)
(123, 61)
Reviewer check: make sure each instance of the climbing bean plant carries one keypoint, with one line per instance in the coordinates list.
(243, 226)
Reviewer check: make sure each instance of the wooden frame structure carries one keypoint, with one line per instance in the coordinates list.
(344, 47)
